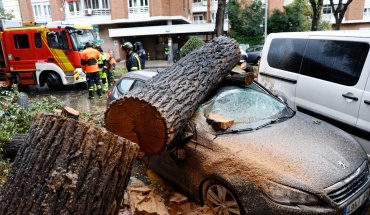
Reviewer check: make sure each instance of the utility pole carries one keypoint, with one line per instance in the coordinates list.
(266, 13)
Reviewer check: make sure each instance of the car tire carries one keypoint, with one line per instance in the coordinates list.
(221, 199)
(53, 81)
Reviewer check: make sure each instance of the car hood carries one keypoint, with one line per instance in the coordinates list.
(301, 152)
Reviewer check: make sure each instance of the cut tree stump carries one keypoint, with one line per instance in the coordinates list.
(152, 114)
(238, 79)
(219, 122)
(70, 112)
(68, 167)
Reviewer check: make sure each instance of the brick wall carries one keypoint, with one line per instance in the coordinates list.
(355, 10)
(26, 11)
(119, 9)
(57, 10)
(275, 4)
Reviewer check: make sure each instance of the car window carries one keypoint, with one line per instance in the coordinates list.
(246, 105)
(340, 62)
(125, 85)
(286, 54)
(138, 83)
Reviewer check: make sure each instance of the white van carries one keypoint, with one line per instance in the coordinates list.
(324, 74)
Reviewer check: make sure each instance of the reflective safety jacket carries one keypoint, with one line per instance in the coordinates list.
(102, 61)
(133, 62)
(89, 60)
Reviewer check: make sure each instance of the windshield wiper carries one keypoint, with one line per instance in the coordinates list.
(233, 131)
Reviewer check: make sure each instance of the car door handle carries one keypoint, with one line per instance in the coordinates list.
(367, 102)
(17, 58)
(350, 97)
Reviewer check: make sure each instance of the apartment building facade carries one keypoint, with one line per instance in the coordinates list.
(154, 22)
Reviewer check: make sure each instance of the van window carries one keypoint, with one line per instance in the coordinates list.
(286, 54)
(21, 41)
(38, 42)
(340, 62)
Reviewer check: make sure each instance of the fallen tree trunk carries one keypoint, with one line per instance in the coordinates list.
(68, 167)
(12, 146)
(151, 115)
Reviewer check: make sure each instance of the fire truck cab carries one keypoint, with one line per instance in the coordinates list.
(46, 54)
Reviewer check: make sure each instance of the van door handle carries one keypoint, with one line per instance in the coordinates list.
(17, 58)
(367, 102)
(350, 97)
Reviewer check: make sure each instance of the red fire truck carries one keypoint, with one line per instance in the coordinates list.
(46, 54)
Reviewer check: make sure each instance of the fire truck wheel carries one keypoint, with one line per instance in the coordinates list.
(53, 81)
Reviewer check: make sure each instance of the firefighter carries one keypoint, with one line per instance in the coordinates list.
(89, 62)
(103, 64)
(111, 67)
(132, 59)
(138, 48)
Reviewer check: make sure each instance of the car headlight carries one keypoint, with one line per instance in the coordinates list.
(288, 196)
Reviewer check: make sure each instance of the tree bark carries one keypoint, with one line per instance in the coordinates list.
(152, 114)
(220, 17)
(339, 12)
(68, 167)
(12, 146)
(316, 9)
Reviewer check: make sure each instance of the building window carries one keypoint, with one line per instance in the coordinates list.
(41, 10)
(99, 7)
(367, 10)
(21, 41)
(198, 18)
(92, 4)
(138, 6)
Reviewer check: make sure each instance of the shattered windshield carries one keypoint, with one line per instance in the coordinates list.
(245, 106)
(79, 40)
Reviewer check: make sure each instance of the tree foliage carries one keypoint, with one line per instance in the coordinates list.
(298, 16)
(6, 15)
(193, 43)
(246, 22)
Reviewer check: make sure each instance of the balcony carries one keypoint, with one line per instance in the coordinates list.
(200, 7)
(44, 18)
(90, 16)
(138, 13)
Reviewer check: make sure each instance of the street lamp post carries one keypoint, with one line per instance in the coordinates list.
(266, 9)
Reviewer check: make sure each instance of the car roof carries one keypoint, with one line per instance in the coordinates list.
(141, 74)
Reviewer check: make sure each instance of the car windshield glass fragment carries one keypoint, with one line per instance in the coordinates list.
(246, 106)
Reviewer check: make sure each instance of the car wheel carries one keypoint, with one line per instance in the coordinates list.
(257, 60)
(221, 199)
(53, 81)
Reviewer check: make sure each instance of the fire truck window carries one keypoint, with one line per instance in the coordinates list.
(38, 42)
(21, 41)
(53, 41)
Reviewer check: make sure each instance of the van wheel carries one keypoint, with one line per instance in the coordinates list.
(221, 199)
(256, 62)
(53, 81)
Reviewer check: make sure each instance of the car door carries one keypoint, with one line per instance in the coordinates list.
(363, 122)
(331, 82)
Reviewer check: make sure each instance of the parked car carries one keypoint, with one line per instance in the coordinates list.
(325, 74)
(271, 160)
(244, 56)
(254, 54)
(129, 81)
